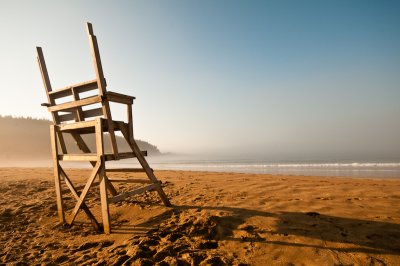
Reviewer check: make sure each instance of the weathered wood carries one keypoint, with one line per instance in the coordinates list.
(119, 98)
(99, 138)
(124, 170)
(102, 123)
(85, 190)
(134, 192)
(66, 117)
(43, 70)
(74, 104)
(133, 181)
(101, 83)
(138, 181)
(92, 157)
(130, 122)
(83, 124)
(93, 112)
(87, 128)
(105, 212)
(79, 88)
(146, 167)
(94, 49)
(56, 168)
(113, 140)
(48, 88)
(61, 141)
(86, 114)
(84, 206)
(83, 147)
(79, 112)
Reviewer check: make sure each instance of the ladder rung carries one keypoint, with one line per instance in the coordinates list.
(133, 192)
(141, 181)
(94, 157)
(120, 170)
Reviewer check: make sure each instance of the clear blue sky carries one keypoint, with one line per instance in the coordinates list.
(301, 78)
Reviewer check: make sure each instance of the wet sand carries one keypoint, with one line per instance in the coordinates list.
(217, 219)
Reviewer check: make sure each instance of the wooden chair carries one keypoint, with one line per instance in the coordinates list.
(76, 113)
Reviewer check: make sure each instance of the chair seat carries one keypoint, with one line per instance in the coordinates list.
(88, 127)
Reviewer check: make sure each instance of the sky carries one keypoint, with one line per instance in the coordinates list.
(302, 79)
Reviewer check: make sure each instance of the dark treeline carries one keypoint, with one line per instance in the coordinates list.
(29, 138)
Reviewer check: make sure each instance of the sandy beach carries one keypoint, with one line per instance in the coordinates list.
(217, 219)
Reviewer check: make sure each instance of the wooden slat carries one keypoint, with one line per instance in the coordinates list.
(93, 112)
(56, 168)
(78, 110)
(84, 124)
(47, 85)
(92, 157)
(139, 181)
(130, 121)
(70, 105)
(105, 211)
(119, 98)
(84, 192)
(83, 147)
(145, 165)
(101, 83)
(133, 192)
(123, 155)
(43, 71)
(99, 137)
(111, 133)
(66, 117)
(89, 157)
(124, 170)
(89, 129)
(86, 114)
(80, 87)
(84, 206)
(94, 49)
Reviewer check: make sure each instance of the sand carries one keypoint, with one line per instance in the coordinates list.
(217, 219)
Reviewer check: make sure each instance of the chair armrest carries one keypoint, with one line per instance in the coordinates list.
(119, 98)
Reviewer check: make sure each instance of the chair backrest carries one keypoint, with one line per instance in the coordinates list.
(78, 102)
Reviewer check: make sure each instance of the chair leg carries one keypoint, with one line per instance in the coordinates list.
(60, 203)
(57, 180)
(105, 212)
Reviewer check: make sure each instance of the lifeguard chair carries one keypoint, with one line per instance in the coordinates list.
(77, 114)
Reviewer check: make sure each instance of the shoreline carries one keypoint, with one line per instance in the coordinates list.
(346, 168)
(219, 172)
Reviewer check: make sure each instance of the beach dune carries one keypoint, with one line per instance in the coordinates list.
(217, 219)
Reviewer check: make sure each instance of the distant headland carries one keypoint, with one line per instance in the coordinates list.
(29, 138)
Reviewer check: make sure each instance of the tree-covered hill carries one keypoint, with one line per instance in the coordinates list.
(28, 138)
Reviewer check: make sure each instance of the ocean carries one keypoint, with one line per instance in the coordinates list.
(336, 168)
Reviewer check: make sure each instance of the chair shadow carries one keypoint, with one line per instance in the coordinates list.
(370, 236)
